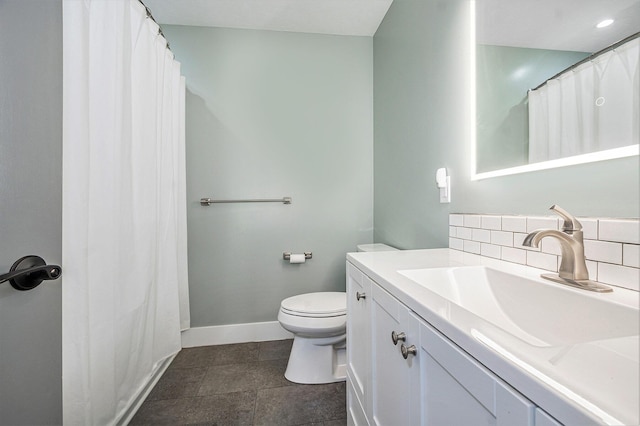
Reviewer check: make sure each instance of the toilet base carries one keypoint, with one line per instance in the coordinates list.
(316, 361)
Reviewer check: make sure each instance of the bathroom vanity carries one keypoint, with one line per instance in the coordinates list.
(444, 337)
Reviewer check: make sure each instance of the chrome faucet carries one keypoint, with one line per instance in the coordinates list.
(573, 267)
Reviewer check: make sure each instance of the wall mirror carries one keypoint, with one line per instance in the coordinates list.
(554, 85)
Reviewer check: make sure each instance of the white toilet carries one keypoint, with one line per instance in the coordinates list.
(318, 322)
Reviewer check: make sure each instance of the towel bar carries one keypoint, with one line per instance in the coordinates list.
(209, 201)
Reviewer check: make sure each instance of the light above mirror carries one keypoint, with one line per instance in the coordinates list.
(578, 116)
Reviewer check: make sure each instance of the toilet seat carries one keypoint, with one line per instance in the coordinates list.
(316, 305)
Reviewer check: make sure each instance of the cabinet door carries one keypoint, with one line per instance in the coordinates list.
(392, 375)
(355, 412)
(359, 333)
(544, 419)
(457, 390)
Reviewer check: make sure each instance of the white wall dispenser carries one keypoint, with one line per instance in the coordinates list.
(443, 182)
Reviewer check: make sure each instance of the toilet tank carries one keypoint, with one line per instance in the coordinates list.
(375, 247)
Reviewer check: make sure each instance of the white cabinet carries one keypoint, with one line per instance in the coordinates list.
(355, 411)
(457, 390)
(437, 383)
(544, 419)
(358, 334)
(395, 379)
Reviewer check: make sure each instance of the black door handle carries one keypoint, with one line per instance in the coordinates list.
(28, 272)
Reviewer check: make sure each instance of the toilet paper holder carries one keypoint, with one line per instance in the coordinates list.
(287, 255)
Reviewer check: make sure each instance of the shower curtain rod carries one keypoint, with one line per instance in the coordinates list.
(150, 16)
(590, 58)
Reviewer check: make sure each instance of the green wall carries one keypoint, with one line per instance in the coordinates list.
(273, 114)
(421, 122)
(421, 85)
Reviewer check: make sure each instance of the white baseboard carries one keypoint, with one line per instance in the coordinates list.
(234, 333)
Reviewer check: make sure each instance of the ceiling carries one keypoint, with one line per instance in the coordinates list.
(556, 24)
(340, 17)
(543, 24)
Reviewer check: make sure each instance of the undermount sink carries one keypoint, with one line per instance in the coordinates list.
(539, 313)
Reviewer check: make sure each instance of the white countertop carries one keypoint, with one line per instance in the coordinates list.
(596, 382)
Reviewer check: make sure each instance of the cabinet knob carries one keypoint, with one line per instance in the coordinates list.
(360, 295)
(406, 351)
(396, 337)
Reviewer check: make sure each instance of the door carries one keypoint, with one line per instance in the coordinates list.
(30, 208)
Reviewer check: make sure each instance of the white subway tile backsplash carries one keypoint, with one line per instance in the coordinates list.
(482, 235)
(472, 220)
(456, 220)
(464, 233)
(502, 238)
(471, 246)
(603, 251)
(550, 246)
(456, 244)
(622, 276)
(542, 261)
(621, 230)
(592, 267)
(490, 250)
(514, 255)
(612, 246)
(589, 228)
(536, 222)
(631, 255)
(491, 222)
(518, 238)
(514, 223)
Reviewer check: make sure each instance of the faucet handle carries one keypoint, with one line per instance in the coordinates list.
(570, 222)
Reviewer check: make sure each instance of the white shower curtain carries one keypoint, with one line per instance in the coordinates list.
(125, 294)
(594, 107)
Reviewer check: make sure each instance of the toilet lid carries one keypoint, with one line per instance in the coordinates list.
(324, 304)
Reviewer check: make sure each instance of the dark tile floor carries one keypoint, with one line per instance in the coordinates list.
(241, 384)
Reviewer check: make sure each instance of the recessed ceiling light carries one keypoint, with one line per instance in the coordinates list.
(604, 23)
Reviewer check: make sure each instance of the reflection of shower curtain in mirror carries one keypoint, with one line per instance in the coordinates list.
(591, 108)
